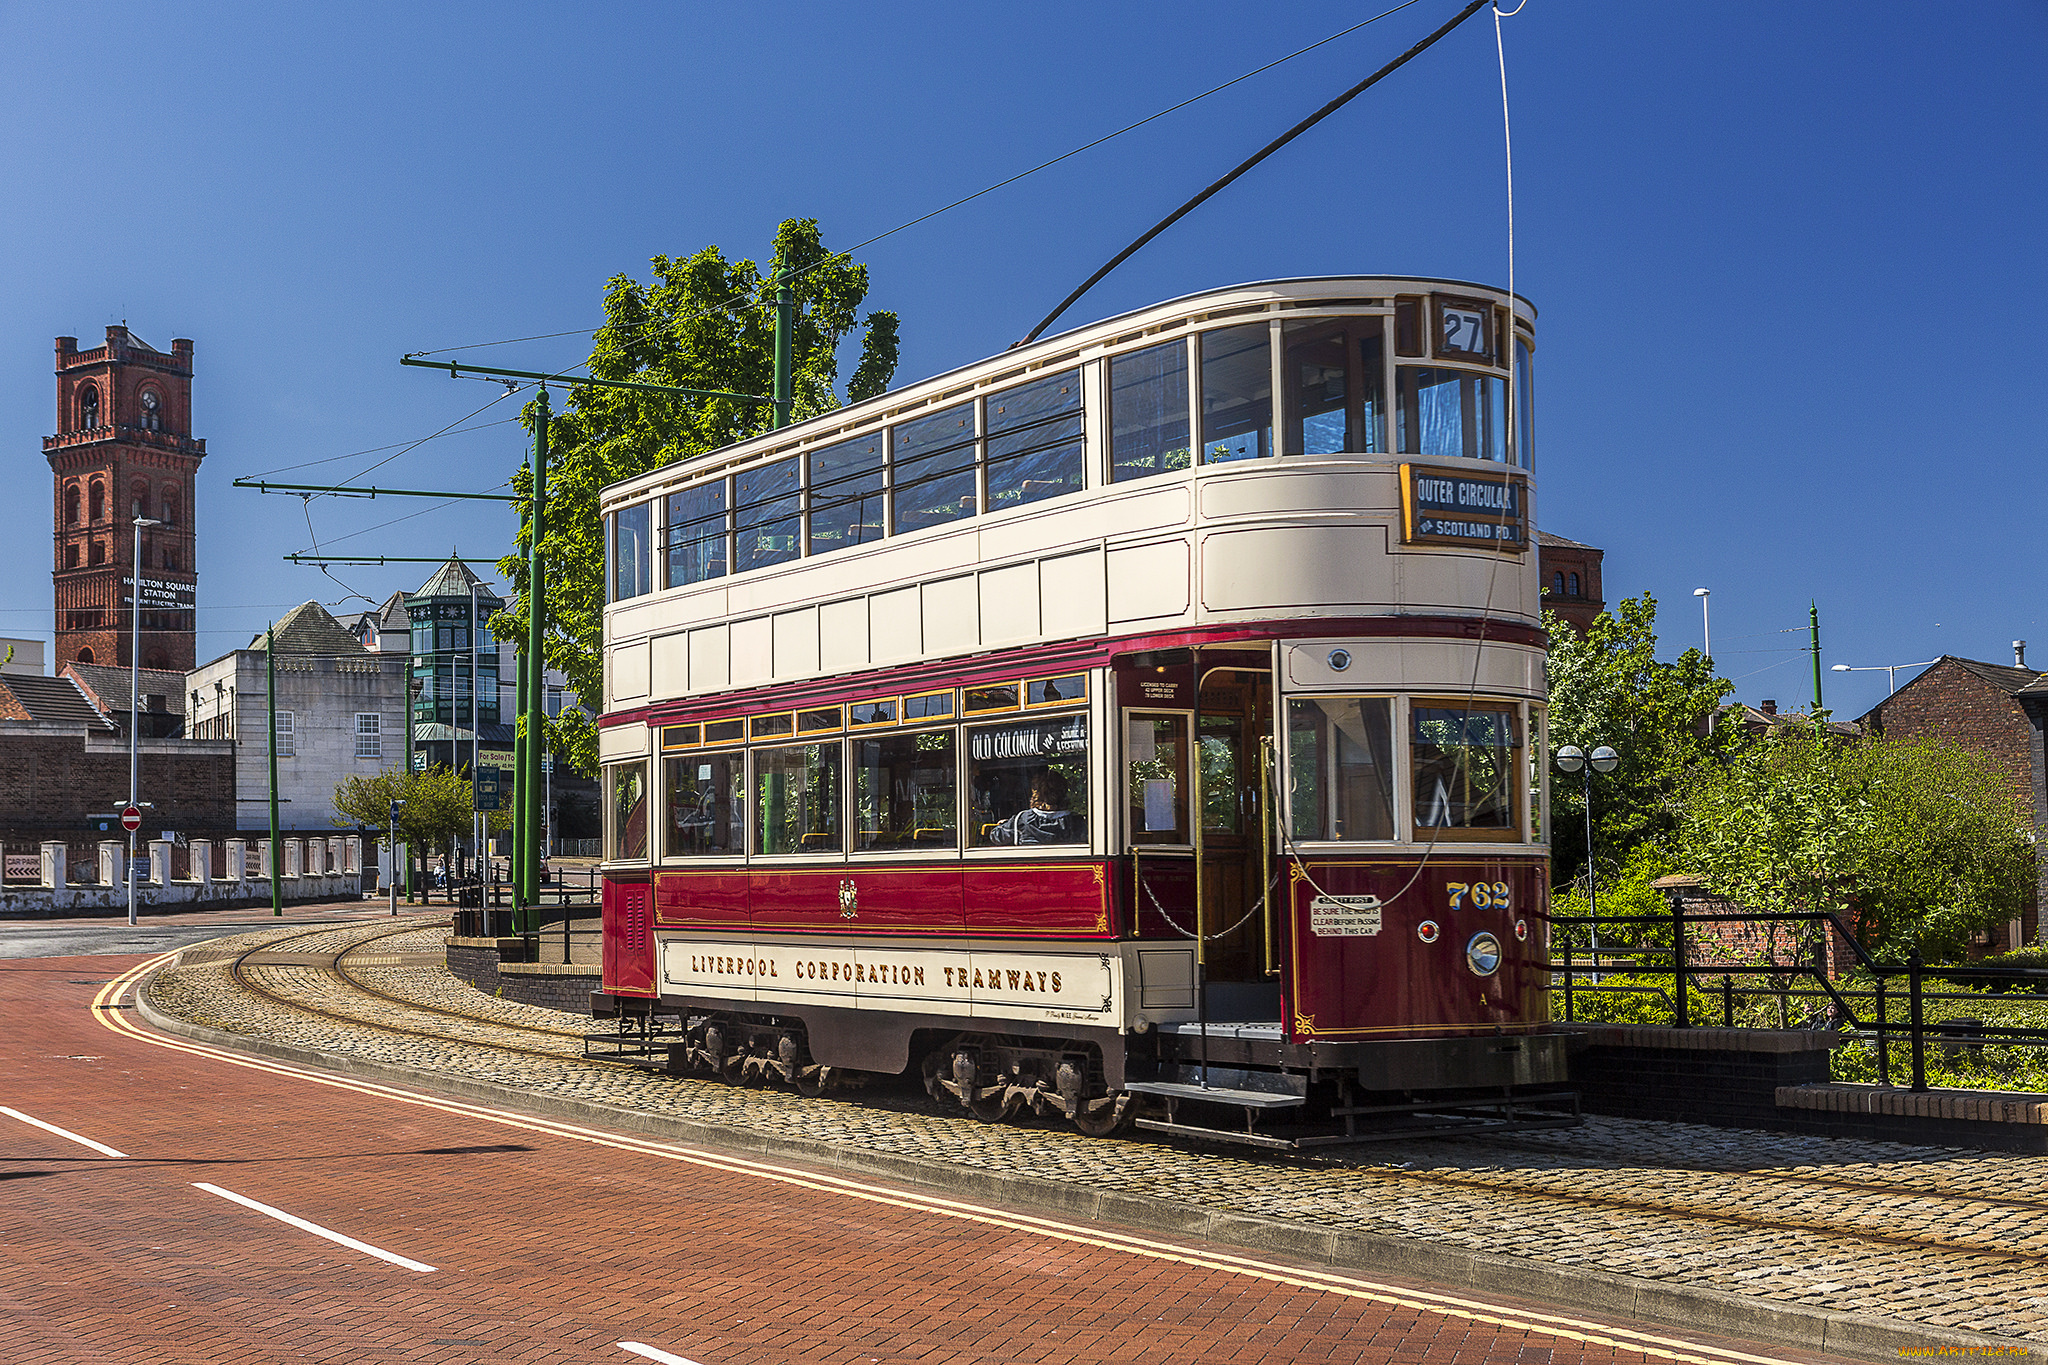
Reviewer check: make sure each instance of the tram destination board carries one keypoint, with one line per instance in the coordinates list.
(1449, 507)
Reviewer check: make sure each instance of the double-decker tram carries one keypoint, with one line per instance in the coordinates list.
(1142, 725)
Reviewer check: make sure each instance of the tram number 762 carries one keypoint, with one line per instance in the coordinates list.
(1485, 895)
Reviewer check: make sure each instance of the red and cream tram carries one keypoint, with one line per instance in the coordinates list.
(1144, 723)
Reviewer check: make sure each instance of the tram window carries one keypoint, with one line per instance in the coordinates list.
(1156, 779)
(928, 706)
(1525, 407)
(776, 726)
(933, 462)
(1408, 327)
(872, 712)
(818, 719)
(999, 697)
(846, 494)
(764, 515)
(1464, 764)
(724, 731)
(1340, 767)
(1148, 411)
(1027, 782)
(1335, 378)
(1454, 413)
(626, 812)
(680, 736)
(696, 535)
(1222, 741)
(632, 567)
(1052, 691)
(905, 791)
(707, 796)
(796, 807)
(1237, 393)
(1034, 441)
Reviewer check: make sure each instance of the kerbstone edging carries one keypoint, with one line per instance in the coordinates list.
(1576, 1288)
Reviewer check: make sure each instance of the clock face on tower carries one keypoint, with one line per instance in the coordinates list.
(150, 418)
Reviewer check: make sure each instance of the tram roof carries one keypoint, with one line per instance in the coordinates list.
(1252, 297)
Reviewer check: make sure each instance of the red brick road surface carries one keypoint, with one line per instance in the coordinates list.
(552, 1245)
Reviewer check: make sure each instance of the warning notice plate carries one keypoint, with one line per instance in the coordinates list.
(1344, 916)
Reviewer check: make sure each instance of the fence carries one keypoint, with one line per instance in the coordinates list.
(1833, 1004)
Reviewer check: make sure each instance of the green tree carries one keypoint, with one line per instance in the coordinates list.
(1609, 687)
(706, 322)
(437, 807)
(1915, 843)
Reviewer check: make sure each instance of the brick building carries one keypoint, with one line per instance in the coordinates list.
(1999, 710)
(1571, 579)
(67, 769)
(124, 449)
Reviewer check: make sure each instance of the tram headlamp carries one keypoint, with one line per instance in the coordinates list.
(1483, 954)
(1340, 659)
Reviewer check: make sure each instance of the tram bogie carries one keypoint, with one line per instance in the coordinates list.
(1194, 770)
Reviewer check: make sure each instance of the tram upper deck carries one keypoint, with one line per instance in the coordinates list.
(1319, 448)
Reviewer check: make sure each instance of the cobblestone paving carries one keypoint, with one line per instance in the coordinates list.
(1933, 1235)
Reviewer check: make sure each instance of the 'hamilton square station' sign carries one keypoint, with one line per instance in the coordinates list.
(1448, 507)
(158, 594)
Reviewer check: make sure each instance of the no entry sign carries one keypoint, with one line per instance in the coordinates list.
(131, 819)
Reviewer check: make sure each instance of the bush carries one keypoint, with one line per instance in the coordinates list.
(1950, 1064)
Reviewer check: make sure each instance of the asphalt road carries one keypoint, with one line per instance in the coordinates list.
(169, 1202)
(97, 935)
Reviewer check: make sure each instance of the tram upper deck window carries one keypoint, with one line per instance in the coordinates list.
(905, 791)
(1465, 769)
(1027, 782)
(1237, 393)
(1034, 441)
(626, 812)
(1525, 406)
(765, 516)
(933, 458)
(1148, 411)
(696, 535)
(631, 546)
(1340, 767)
(1458, 414)
(846, 493)
(1336, 379)
(707, 795)
(796, 806)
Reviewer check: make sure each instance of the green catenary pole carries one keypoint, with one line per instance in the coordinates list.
(785, 327)
(519, 657)
(1813, 625)
(536, 663)
(270, 696)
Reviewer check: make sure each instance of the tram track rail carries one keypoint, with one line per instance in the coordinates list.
(243, 968)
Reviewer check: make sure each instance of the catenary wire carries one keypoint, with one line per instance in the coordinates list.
(401, 447)
(1000, 184)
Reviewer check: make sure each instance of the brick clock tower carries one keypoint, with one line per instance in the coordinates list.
(124, 449)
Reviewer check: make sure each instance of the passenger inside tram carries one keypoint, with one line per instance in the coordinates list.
(1046, 820)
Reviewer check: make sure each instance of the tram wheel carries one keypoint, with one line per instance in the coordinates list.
(994, 1109)
(811, 1081)
(1103, 1122)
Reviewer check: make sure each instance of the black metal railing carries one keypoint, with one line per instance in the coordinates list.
(1832, 1004)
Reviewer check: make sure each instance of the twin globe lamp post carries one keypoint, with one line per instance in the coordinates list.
(1572, 759)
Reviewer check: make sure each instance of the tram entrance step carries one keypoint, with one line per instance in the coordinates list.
(1181, 1091)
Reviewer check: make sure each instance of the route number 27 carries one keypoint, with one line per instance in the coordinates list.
(1485, 895)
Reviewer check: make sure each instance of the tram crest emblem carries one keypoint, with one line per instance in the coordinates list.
(849, 899)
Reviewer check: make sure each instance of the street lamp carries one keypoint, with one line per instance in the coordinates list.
(1572, 759)
(134, 685)
(1890, 671)
(1706, 627)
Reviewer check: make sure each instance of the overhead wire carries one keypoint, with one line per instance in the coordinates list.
(401, 447)
(957, 203)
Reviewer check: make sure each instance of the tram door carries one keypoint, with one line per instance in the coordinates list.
(1234, 713)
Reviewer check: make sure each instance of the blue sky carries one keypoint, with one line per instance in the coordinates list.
(1788, 257)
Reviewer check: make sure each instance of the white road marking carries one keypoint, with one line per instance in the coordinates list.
(330, 1234)
(660, 1357)
(99, 1147)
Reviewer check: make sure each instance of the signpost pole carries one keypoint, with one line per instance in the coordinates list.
(270, 697)
(134, 684)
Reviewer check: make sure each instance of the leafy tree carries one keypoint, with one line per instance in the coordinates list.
(705, 323)
(437, 806)
(1914, 842)
(1608, 687)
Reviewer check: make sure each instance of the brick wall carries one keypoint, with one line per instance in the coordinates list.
(1725, 1077)
(55, 777)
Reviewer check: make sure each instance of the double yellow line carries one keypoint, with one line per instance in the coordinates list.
(1346, 1286)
